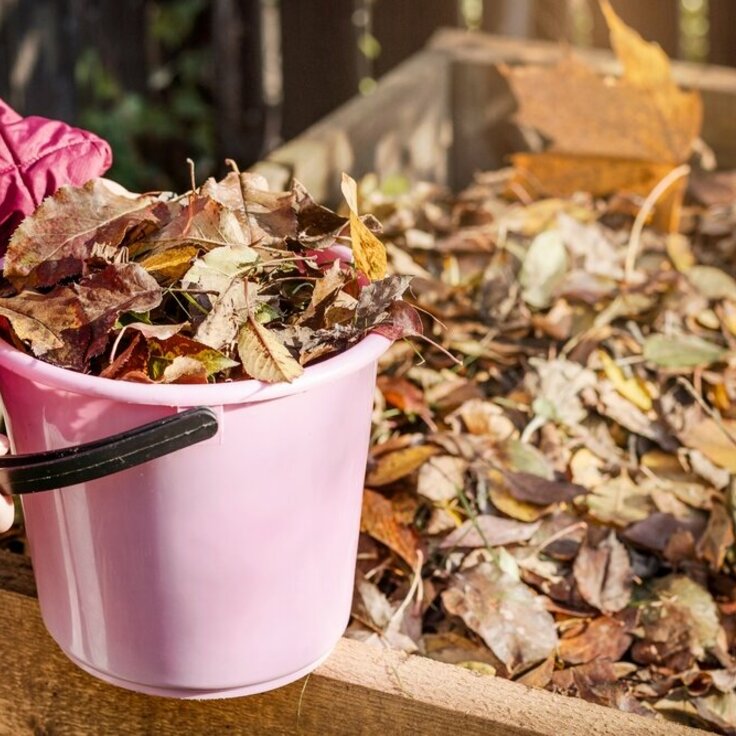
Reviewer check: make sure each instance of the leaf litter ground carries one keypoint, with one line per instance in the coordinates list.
(559, 510)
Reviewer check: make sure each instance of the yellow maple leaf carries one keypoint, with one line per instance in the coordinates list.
(630, 131)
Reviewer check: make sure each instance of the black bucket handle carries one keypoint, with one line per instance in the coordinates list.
(45, 471)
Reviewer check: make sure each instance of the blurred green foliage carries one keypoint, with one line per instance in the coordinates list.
(153, 131)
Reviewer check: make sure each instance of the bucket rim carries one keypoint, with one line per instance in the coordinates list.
(368, 350)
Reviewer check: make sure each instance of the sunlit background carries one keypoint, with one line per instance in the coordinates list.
(164, 80)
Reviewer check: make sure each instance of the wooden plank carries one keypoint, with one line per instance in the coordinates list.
(359, 690)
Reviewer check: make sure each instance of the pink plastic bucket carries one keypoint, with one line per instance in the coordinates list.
(223, 569)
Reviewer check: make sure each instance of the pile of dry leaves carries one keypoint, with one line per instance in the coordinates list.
(560, 509)
(228, 281)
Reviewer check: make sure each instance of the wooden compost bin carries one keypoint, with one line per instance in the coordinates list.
(440, 116)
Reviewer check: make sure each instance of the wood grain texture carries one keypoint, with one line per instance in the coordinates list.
(359, 690)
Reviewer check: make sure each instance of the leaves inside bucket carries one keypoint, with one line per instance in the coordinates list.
(256, 284)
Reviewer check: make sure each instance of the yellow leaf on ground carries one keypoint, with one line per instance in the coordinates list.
(632, 389)
(396, 465)
(556, 174)
(368, 251)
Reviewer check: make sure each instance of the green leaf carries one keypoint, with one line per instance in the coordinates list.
(681, 351)
(712, 283)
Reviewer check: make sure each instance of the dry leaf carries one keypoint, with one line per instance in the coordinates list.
(55, 243)
(171, 264)
(379, 521)
(399, 464)
(510, 618)
(603, 574)
(489, 531)
(631, 388)
(540, 491)
(603, 637)
(264, 356)
(715, 440)
(71, 325)
(717, 538)
(442, 477)
(607, 135)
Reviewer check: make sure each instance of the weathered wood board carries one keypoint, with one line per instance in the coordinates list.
(359, 690)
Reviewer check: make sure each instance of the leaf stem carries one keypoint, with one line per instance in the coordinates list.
(632, 250)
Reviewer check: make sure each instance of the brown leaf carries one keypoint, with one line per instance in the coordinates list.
(603, 574)
(540, 491)
(396, 465)
(541, 675)
(717, 538)
(55, 243)
(317, 226)
(267, 217)
(655, 531)
(228, 313)
(632, 118)
(378, 519)
(202, 223)
(603, 637)
(510, 618)
(619, 501)
(681, 616)
(489, 531)
(71, 324)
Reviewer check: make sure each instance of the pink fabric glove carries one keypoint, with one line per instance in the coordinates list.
(37, 156)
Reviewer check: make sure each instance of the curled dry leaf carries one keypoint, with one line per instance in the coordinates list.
(379, 520)
(602, 638)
